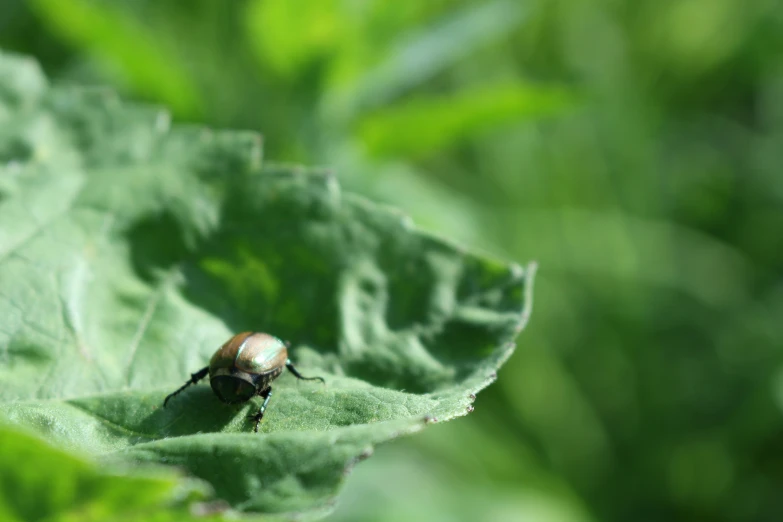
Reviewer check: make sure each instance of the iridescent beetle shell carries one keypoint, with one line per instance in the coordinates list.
(244, 367)
(246, 363)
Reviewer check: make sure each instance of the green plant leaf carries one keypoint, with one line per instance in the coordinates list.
(438, 121)
(40, 482)
(415, 56)
(286, 36)
(128, 49)
(129, 251)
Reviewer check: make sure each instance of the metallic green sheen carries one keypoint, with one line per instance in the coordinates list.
(261, 353)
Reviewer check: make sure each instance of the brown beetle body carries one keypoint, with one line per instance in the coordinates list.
(244, 367)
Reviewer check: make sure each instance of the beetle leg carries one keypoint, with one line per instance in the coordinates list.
(290, 366)
(266, 394)
(194, 378)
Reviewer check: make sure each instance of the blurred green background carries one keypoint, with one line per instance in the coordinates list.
(633, 147)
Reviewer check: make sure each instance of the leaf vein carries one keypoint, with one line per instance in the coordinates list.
(144, 323)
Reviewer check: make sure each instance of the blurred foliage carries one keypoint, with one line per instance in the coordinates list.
(74, 489)
(633, 147)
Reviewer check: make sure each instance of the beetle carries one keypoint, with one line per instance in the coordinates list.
(244, 367)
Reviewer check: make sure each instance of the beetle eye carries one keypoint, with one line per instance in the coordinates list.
(232, 389)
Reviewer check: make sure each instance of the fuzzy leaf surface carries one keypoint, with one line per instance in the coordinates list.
(130, 250)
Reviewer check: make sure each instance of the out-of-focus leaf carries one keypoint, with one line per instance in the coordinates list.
(127, 48)
(436, 494)
(287, 35)
(40, 482)
(427, 123)
(419, 55)
(630, 248)
(695, 35)
(130, 251)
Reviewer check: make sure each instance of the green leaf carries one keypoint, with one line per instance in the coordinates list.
(434, 122)
(130, 251)
(128, 49)
(40, 482)
(359, 82)
(287, 36)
